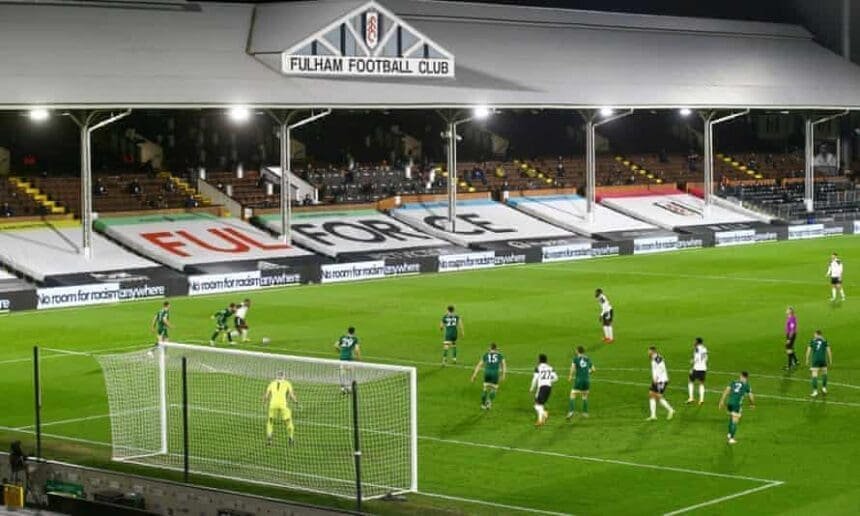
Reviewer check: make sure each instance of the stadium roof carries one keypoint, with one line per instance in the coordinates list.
(213, 55)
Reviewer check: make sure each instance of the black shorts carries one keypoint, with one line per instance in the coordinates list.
(241, 324)
(697, 376)
(789, 341)
(607, 317)
(543, 394)
(659, 387)
(835, 281)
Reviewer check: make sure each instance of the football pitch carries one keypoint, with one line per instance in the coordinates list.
(795, 455)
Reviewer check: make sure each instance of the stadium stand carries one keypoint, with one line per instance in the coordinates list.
(569, 212)
(16, 203)
(41, 252)
(114, 193)
(334, 233)
(479, 221)
(185, 240)
(835, 198)
(671, 208)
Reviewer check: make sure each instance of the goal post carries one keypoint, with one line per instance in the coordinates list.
(229, 419)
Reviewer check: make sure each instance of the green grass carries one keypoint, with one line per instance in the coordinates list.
(799, 454)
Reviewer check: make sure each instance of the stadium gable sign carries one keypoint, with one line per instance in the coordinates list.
(369, 41)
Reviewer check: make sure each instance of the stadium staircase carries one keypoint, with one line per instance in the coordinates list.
(637, 167)
(39, 197)
(739, 167)
(183, 186)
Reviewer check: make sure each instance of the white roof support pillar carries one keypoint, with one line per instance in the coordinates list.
(708, 153)
(591, 126)
(87, 123)
(286, 128)
(809, 157)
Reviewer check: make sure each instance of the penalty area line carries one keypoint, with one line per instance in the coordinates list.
(492, 504)
(722, 499)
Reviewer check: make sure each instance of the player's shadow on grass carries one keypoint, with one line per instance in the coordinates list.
(465, 424)
(786, 382)
(726, 459)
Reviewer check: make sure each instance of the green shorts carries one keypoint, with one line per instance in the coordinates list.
(451, 338)
(733, 409)
(491, 378)
(819, 365)
(161, 331)
(581, 385)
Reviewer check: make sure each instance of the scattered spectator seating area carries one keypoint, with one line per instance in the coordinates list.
(113, 193)
(837, 199)
(363, 184)
(249, 191)
(16, 203)
(369, 183)
(366, 183)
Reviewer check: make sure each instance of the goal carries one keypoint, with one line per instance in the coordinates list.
(226, 416)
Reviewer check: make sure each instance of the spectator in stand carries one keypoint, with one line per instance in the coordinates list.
(190, 202)
(307, 201)
(169, 187)
(100, 189)
(559, 167)
(134, 187)
(6, 210)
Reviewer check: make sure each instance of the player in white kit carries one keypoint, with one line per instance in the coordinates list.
(698, 372)
(542, 380)
(606, 315)
(834, 272)
(241, 319)
(659, 382)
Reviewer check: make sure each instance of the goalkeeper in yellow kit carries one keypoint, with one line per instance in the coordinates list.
(276, 396)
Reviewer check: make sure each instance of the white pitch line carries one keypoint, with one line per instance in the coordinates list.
(600, 460)
(724, 498)
(518, 450)
(57, 436)
(493, 504)
(729, 373)
(65, 353)
(699, 276)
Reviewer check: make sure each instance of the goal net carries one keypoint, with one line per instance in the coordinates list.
(227, 418)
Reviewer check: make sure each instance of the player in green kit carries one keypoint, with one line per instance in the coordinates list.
(822, 358)
(735, 393)
(582, 368)
(347, 346)
(451, 324)
(493, 363)
(222, 324)
(161, 323)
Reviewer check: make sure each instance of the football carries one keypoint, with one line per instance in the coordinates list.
(266, 340)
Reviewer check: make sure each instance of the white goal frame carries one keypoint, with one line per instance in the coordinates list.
(165, 347)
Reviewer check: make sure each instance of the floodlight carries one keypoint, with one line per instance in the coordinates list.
(481, 112)
(239, 114)
(606, 111)
(38, 114)
(685, 111)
